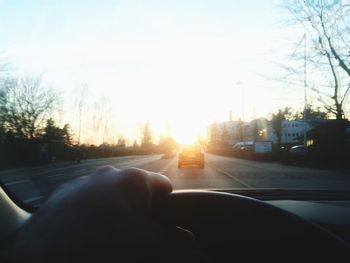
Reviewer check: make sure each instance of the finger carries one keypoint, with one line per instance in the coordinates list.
(155, 183)
(159, 184)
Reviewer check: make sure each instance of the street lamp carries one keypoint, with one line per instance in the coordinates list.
(239, 83)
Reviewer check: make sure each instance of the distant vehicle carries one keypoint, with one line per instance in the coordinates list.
(169, 155)
(252, 146)
(298, 153)
(191, 155)
(244, 146)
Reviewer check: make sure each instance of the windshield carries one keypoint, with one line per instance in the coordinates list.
(125, 83)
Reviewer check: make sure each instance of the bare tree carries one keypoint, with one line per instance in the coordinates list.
(80, 104)
(311, 113)
(147, 137)
(103, 120)
(327, 36)
(25, 105)
(4, 68)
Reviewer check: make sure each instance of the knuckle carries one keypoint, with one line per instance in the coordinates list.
(105, 169)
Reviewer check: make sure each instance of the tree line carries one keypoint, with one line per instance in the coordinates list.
(30, 134)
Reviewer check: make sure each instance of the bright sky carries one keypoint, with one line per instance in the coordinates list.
(177, 64)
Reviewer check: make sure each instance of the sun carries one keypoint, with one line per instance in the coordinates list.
(187, 131)
(184, 137)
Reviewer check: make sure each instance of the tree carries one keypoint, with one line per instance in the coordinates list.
(54, 133)
(25, 105)
(147, 138)
(166, 144)
(311, 113)
(103, 120)
(121, 144)
(2, 124)
(240, 127)
(328, 33)
(67, 134)
(213, 136)
(81, 93)
(225, 137)
(277, 119)
(135, 145)
(201, 141)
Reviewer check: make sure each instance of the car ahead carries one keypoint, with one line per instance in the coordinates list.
(191, 155)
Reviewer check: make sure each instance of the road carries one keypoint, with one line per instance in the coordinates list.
(34, 185)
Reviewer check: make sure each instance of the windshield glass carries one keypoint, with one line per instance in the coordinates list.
(125, 83)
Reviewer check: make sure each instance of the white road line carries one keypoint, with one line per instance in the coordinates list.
(136, 162)
(167, 166)
(233, 177)
(18, 182)
(54, 175)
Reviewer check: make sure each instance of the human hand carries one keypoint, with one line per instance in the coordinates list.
(107, 215)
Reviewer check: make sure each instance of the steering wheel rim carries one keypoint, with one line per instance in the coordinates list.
(227, 225)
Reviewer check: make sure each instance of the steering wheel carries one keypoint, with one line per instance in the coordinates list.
(229, 226)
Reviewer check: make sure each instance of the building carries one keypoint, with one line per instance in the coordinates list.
(293, 131)
(232, 128)
(236, 131)
(259, 130)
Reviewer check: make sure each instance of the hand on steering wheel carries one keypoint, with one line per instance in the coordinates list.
(102, 216)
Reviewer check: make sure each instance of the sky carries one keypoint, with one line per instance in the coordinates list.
(178, 65)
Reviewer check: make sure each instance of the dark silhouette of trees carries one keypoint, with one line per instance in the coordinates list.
(147, 138)
(277, 119)
(311, 113)
(214, 138)
(166, 144)
(25, 105)
(224, 138)
(135, 145)
(54, 133)
(326, 25)
(121, 144)
(241, 129)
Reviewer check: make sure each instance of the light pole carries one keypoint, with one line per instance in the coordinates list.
(239, 83)
(305, 85)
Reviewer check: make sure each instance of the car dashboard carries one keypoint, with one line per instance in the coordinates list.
(327, 209)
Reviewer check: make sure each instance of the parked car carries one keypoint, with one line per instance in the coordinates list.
(244, 148)
(298, 154)
(191, 155)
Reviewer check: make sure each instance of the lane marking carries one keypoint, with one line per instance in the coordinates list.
(167, 166)
(137, 163)
(18, 182)
(233, 177)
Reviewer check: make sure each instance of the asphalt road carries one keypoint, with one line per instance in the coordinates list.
(34, 185)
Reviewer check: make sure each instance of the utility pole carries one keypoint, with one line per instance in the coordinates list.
(239, 83)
